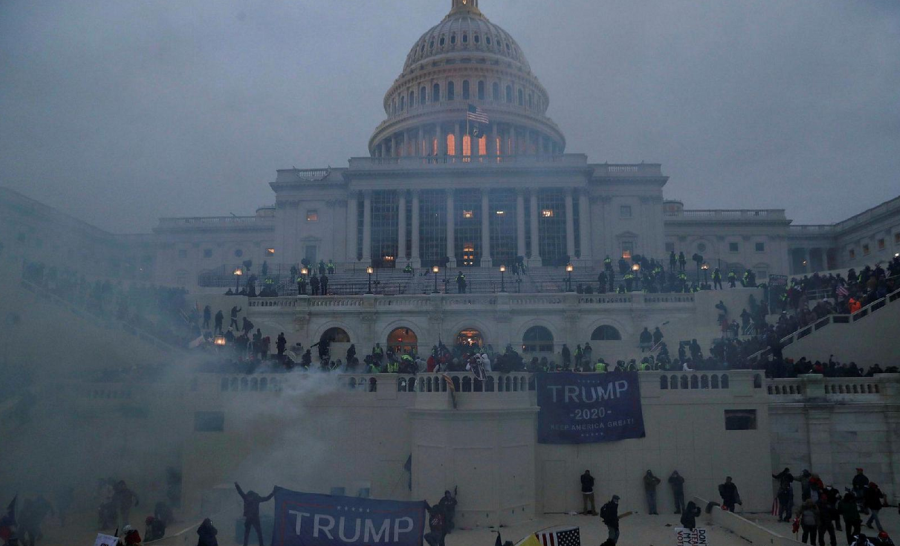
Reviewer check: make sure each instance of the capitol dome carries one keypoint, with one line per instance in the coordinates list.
(462, 63)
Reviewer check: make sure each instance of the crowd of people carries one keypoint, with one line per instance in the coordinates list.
(158, 310)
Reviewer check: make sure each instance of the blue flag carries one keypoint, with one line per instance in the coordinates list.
(310, 519)
(584, 408)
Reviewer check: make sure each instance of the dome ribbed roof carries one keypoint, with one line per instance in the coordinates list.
(465, 31)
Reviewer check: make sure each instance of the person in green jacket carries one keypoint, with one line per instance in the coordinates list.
(850, 513)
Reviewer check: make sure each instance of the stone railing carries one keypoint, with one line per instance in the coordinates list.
(215, 221)
(737, 214)
(628, 170)
(473, 301)
(500, 161)
(814, 386)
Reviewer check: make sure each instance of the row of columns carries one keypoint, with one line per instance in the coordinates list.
(809, 260)
(486, 261)
(419, 142)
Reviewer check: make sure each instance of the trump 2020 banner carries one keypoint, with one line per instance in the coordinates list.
(309, 519)
(587, 408)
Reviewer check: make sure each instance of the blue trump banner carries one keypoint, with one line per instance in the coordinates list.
(309, 519)
(586, 408)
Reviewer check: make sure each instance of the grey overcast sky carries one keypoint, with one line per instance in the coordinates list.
(120, 112)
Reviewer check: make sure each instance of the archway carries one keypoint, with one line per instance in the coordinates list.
(403, 341)
(333, 342)
(537, 339)
(606, 333)
(470, 337)
(335, 335)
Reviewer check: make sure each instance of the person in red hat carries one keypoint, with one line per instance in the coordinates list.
(884, 539)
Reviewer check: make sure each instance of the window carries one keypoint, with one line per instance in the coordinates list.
(451, 91)
(452, 39)
(865, 250)
(606, 333)
(477, 39)
(209, 421)
(625, 211)
(270, 252)
(880, 244)
(436, 92)
(627, 249)
(480, 90)
(207, 253)
(238, 253)
(760, 247)
(465, 38)
(732, 247)
(442, 41)
(495, 90)
(487, 40)
(740, 419)
(852, 253)
(670, 247)
(465, 89)
(182, 254)
(537, 339)
(312, 215)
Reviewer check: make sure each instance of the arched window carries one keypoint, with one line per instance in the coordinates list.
(663, 383)
(452, 39)
(442, 40)
(714, 381)
(495, 89)
(509, 93)
(465, 89)
(451, 91)
(403, 341)
(465, 38)
(695, 383)
(451, 144)
(606, 333)
(335, 335)
(521, 98)
(480, 90)
(487, 40)
(477, 39)
(436, 92)
(537, 339)
(422, 95)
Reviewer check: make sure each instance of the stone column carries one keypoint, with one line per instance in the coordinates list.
(414, 257)
(441, 140)
(486, 260)
(584, 224)
(352, 212)
(535, 242)
(451, 232)
(419, 144)
(520, 223)
(401, 230)
(457, 145)
(492, 145)
(513, 142)
(367, 227)
(570, 225)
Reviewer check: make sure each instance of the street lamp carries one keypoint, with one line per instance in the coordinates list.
(636, 267)
(237, 279)
(502, 274)
(569, 269)
(219, 340)
(435, 270)
(705, 268)
(370, 270)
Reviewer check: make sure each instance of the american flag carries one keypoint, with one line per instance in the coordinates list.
(842, 291)
(476, 114)
(570, 536)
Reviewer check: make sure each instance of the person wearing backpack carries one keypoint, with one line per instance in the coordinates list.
(610, 515)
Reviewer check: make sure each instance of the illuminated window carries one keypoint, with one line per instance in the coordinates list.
(270, 252)
(451, 144)
(547, 213)
(312, 216)
(627, 249)
(482, 146)
(467, 214)
(467, 145)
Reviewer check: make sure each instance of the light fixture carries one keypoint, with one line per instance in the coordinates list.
(502, 269)
(547, 213)
(468, 214)
(219, 340)
(304, 272)
(370, 270)
(570, 268)
(500, 213)
(238, 272)
(270, 251)
(636, 267)
(704, 267)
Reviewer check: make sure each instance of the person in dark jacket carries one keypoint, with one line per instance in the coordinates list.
(234, 313)
(650, 483)
(850, 513)
(809, 521)
(587, 492)
(448, 505)
(860, 482)
(437, 526)
(219, 318)
(872, 499)
(828, 514)
(676, 481)
(207, 534)
(252, 500)
(689, 517)
(610, 514)
(729, 493)
(785, 494)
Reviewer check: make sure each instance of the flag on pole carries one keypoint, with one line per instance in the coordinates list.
(476, 121)
(530, 540)
(568, 536)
